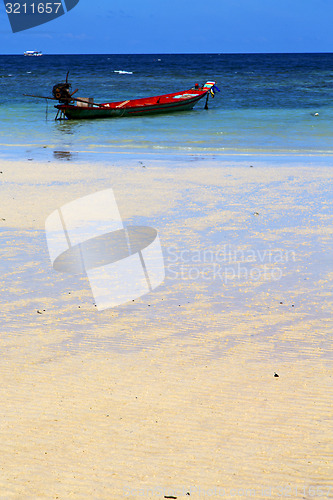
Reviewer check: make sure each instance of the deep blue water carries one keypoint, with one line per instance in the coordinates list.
(280, 103)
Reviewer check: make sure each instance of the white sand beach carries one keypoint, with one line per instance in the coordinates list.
(175, 394)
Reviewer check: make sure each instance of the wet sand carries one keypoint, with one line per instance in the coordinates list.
(176, 392)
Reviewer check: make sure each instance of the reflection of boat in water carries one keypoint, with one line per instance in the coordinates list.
(33, 53)
(63, 155)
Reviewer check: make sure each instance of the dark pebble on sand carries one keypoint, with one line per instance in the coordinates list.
(276, 375)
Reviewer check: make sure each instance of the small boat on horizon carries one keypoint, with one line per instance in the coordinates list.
(76, 108)
(35, 53)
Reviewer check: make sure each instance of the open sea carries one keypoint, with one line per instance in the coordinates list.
(269, 103)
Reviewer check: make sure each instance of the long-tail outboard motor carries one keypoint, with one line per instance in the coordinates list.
(61, 92)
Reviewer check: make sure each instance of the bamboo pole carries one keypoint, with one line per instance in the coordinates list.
(73, 98)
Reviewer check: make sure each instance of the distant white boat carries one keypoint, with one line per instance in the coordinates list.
(33, 53)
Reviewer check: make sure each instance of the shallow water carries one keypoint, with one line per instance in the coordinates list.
(245, 257)
(268, 103)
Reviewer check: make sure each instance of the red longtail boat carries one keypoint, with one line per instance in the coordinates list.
(86, 108)
(75, 108)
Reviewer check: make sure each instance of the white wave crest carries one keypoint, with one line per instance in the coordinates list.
(121, 72)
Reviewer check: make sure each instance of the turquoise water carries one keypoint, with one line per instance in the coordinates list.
(269, 103)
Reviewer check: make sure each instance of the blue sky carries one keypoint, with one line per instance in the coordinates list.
(177, 26)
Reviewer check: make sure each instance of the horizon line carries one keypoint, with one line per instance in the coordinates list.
(170, 53)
